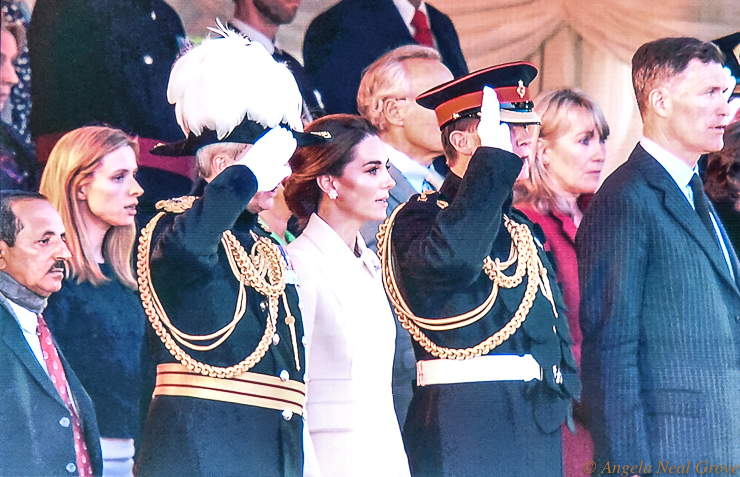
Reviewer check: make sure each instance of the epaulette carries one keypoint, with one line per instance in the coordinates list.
(430, 197)
(178, 205)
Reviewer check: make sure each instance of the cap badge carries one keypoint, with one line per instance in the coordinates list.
(521, 90)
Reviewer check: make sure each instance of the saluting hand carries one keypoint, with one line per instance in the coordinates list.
(268, 158)
(492, 132)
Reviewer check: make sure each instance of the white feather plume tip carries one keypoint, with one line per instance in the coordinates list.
(219, 82)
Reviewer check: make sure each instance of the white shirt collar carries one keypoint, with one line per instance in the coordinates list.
(407, 11)
(679, 171)
(254, 35)
(411, 170)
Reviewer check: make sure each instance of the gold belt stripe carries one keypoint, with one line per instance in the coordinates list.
(251, 389)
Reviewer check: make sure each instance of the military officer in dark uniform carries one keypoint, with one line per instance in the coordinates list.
(218, 291)
(470, 281)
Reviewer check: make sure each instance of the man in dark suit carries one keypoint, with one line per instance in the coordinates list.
(341, 42)
(411, 137)
(44, 407)
(660, 307)
(259, 20)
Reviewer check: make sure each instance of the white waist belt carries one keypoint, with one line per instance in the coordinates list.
(496, 367)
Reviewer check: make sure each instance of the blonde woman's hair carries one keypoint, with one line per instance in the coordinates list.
(72, 161)
(553, 107)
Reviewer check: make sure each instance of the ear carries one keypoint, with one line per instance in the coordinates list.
(219, 162)
(659, 100)
(326, 183)
(394, 111)
(3, 251)
(542, 150)
(82, 191)
(462, 143)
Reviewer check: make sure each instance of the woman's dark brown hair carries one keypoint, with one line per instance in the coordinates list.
(722, 176)
(302, 192)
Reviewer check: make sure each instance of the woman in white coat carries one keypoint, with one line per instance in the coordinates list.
(335, 188)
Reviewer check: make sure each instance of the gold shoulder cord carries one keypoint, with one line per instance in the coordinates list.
(263, 270)
(523, 252)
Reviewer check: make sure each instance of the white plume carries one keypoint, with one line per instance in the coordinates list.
(217, 83)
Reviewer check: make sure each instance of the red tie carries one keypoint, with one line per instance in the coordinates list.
(59, 378)
(423, 35)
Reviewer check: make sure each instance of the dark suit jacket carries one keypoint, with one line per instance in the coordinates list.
(341, 42)
(660, 316)
(35, 440)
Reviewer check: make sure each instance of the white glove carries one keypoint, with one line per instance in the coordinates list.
(492, 132)
(268, 158)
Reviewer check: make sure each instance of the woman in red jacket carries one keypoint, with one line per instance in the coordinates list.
(564, 172)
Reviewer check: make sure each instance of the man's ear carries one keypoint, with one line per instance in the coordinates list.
(3, 254)
(219, 162)
(659, 100)
(326, 183)
(461, 141)
(394, 111)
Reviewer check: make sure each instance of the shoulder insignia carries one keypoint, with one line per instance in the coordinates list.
(442, 204)
(423, 196)
(177, 205)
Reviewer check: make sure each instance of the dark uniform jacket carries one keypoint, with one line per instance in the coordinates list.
(191, 274)
(343, 41)
(439, 250)
(35, 425)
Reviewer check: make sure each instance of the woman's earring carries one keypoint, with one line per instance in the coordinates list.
(332, 194)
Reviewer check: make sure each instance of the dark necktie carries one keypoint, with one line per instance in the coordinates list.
(423, 35)
(701, 204)
(59, 379)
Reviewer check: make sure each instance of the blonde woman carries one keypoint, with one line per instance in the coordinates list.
(567, 162)
(96, 317)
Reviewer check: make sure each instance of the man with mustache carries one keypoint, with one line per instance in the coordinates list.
(660, 306)
(47, 423)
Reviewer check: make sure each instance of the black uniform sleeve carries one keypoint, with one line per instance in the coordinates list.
(452, 247)
(191, 240)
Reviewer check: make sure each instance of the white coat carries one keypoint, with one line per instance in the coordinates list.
(350, 335)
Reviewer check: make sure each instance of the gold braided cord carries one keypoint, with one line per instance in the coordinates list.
(263, 270)
(523, 251)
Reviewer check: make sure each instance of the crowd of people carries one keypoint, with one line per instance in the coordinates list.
(217, 262)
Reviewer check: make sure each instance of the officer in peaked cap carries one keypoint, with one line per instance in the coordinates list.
(471, 283)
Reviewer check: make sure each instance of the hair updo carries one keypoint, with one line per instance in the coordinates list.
(302, 192)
